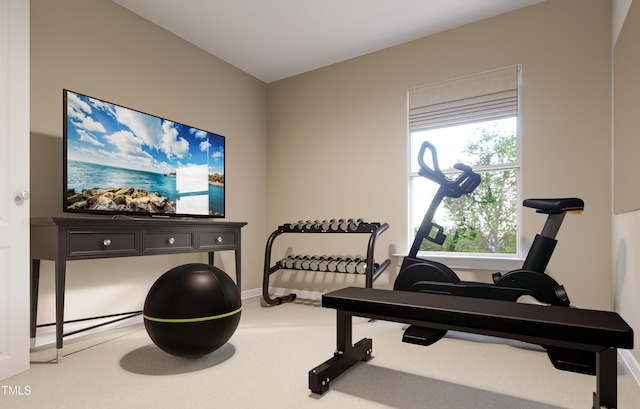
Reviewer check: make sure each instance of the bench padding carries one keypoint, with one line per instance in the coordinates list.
(547, 325)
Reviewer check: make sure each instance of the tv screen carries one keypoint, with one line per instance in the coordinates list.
(119, 160)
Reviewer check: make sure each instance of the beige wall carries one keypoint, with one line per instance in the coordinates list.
(99, 48)
(337, 136)
(626, 226)
(626, 91)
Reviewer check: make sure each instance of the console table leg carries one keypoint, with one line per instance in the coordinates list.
(60, 277)
(238, 269)
(35, 284)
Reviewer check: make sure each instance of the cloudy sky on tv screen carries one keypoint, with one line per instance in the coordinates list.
(111, 145)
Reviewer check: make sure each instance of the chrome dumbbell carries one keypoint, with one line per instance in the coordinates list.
(354, 224)
(361, 268)
(298, 225)
(282, 263)
(311, 225)
(297, 264)
(332, 266)
(314, 263)
(323, 265)
(306, 262)
(352, 265)
(290, 261)
(342, 265)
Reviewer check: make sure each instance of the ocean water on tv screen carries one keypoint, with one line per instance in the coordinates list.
(84, 175)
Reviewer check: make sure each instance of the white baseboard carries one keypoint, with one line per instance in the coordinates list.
(251, 293)
(632, 363)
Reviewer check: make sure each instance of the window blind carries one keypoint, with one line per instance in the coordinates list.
(489, 95)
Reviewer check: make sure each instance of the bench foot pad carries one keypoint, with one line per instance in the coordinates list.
(323, 374)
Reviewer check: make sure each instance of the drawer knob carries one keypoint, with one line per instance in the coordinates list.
(219, 239)
(171, 240)
(106, 242)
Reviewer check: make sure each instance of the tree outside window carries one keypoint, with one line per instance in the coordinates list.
(484, 221)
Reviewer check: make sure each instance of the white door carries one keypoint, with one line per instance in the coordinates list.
(14, 187)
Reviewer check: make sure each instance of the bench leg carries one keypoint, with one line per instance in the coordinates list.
(606, 395)
(346, 356)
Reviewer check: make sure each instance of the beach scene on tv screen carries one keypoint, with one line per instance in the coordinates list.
(124, 161)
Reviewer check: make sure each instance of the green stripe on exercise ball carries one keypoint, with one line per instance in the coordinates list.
(199, 319)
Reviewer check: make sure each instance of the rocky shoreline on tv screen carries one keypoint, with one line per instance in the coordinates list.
(121, 200)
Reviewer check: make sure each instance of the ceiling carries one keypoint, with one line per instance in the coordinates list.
(276, 39)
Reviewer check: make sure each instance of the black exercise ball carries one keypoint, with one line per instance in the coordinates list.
(192, 310)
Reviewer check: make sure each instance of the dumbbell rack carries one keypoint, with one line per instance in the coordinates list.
(372, 270)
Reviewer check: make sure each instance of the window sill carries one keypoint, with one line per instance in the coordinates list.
(471, 262)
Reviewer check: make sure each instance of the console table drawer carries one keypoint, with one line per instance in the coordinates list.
(216, 238)
(169, 241)
(101, 243)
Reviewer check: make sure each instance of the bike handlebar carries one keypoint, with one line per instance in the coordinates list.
(434, 174)
(465, 183)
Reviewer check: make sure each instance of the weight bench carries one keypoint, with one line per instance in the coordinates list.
(573, 329)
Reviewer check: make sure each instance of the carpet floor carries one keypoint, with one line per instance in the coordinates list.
(265, 364)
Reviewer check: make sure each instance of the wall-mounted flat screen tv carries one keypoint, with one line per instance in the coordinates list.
(119, 160)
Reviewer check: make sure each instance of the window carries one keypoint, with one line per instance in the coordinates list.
(474, 121)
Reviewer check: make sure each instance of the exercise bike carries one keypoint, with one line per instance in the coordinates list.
(430, 276)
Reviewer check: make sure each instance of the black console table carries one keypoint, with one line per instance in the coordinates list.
(81, 238)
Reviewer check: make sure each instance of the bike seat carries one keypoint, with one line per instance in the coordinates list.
(548, 206)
